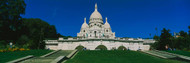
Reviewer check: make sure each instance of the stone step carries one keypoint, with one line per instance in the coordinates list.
(49, 58)
(163, 54)
(159, 54)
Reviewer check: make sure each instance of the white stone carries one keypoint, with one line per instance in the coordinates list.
(96, 33)
(96, 28)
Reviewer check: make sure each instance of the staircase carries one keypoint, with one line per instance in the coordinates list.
(167, 55)
(161, 55)
(48, 59)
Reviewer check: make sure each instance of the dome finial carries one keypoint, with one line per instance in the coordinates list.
(96, 7)
(107, 25)
(106, 19)
(85, 20)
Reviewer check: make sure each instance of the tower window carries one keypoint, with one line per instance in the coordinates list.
(84, 31)
(106, 30)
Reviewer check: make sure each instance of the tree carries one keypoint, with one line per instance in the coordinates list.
(10, 19)
(183, 34)
(156, 31)
(37, 30)
(22, 40)
(156, 38)
(189, 30)
(182, 42)
(59, 35)
(155, 45)
(165, 39)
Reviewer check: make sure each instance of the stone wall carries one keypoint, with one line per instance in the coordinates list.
(91, 45)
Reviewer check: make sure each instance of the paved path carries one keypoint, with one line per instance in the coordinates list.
(48, 59)
(160, 54)
(167, 55)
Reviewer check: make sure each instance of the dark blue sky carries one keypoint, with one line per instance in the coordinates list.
(128, 18)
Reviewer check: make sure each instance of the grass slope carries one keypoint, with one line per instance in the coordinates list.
(8, 56)
(185, 53)
(116, 57)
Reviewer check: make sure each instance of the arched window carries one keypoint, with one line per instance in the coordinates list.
(83, 30)
(106, 30)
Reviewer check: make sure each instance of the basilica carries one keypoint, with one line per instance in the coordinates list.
(96, 27)
(97, 33)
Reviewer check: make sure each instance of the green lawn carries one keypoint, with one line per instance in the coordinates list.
(185, 53)
(116, 57)
(8, 56)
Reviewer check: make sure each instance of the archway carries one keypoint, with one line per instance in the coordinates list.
(80, 47)
(101, 47)
(122, 48)
(95, 33)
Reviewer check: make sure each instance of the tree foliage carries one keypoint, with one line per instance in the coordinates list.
(37, 30)
(21, 31)
(189, 30)
(166, 39)
(10, 20)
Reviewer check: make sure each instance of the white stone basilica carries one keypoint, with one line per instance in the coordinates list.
(96, 27)
(98, 33)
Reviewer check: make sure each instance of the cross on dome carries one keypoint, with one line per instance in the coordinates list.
(85, 20)
(96, 16)
(96, 7)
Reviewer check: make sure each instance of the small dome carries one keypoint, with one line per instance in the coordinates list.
(107, 25)
(84, 25)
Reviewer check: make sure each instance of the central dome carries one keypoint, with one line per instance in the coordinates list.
(96, 16)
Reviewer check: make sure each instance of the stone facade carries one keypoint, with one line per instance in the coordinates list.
(91, 44)
(97, 33)
(96, 27)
